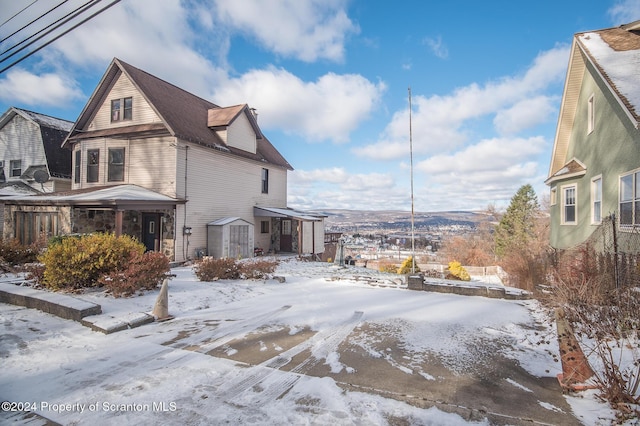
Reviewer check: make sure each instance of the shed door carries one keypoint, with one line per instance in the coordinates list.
(239, 240)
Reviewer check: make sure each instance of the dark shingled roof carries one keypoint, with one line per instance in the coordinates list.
(185, 115)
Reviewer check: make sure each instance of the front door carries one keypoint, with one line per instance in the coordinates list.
(151, 231)
(285, 236)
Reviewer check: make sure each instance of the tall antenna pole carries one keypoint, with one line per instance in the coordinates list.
(413, 240)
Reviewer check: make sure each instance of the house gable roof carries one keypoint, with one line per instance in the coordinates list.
(53, 132)
(615, 55)
(573, 168)
(183, 114)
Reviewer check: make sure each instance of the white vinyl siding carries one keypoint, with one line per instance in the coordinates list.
(142, 112)
(241, 135)
(212, 196)
(150, 163)
(29, 152)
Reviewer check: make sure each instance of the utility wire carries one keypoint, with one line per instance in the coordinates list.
(66, 18)
(38, 18)
(58, 36)
(18, 13)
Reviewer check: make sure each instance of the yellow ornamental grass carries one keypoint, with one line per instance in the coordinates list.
(405, 268)
(458, 272)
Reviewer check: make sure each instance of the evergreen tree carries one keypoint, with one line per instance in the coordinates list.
(517, 227)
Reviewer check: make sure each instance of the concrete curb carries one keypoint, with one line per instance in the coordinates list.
(61, 305)
(108, 324)
(417, 282)
(68, 307)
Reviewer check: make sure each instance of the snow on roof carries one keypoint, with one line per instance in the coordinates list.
(225, 221)
(286, 212)
(621, 66)
(48, 121)
(117, 192)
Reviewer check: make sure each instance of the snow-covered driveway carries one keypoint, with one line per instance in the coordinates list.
(313, 350)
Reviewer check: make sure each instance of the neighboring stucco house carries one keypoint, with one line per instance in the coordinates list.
(31, 151)
(595, 166)
(154, 161)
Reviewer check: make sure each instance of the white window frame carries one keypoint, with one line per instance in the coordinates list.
(13, 168)
(591, 114)
(596, 200)
(634, 200)
(563, 202)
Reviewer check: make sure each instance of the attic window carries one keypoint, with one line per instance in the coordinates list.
(121, 109)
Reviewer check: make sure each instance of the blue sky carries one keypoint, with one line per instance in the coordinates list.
(330, 79)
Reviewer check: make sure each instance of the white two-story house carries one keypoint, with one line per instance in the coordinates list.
(185, 176)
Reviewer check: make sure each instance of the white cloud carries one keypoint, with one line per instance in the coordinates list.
(337, 188)
(154, 36)
(525, 114)
(624, 11)
(308, 30)
(23, 87)
(437, 47)
(497, 154)
(327, 109)
(439, 121)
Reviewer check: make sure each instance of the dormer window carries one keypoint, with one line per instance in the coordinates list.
(121, 109)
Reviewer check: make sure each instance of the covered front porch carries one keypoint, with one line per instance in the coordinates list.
(292, 231)
(123, 209)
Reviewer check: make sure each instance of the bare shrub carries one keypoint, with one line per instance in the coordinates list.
(143, 272)
(387, 265)
(210, 269)
(607, 321)
(257, 269)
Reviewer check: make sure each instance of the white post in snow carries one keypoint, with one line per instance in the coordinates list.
(161, 308)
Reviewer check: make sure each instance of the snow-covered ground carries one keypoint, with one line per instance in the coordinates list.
(324, 347)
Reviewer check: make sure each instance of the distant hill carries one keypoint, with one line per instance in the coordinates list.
(363, 220)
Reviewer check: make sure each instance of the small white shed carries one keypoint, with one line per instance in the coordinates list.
(230, 237)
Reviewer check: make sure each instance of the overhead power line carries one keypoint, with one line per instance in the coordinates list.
(18, 13)
(35, 20)
(77, 13)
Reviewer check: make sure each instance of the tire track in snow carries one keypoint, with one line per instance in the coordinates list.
(204, 341)
(321, 345)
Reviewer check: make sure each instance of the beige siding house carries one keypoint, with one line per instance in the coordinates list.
(175, 163)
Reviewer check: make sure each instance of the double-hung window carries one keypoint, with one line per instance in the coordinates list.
(630, 199)
(596, 200)
(569, 205)
(16, 168)
(121, 109)
(265, 181)
(115, 169)
(76, 168)
(93, 165)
